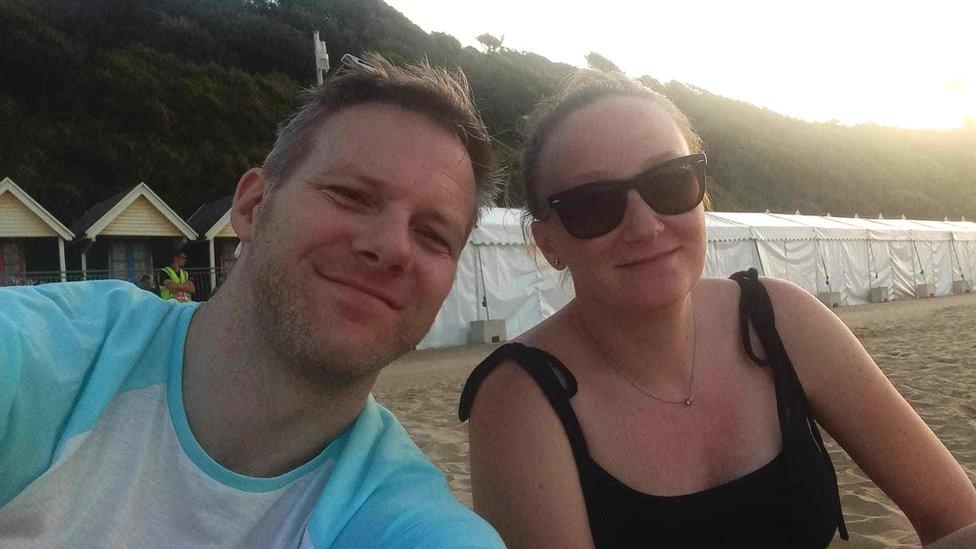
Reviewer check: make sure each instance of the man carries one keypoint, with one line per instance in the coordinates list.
(131, 421)
(176, 281)
(146, 282)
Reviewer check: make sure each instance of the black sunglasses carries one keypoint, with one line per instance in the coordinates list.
(594, 209)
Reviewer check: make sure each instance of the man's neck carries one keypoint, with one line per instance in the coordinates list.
(249, 409)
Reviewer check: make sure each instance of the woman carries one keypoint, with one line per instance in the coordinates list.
(659, 407)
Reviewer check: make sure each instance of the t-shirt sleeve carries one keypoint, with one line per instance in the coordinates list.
(417, 517)
(383, 492)
(59, 345)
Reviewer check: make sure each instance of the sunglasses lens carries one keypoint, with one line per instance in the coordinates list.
(595, 209)
(594, 213)
(673, 190)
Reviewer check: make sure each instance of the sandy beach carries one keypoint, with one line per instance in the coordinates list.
(926, 347)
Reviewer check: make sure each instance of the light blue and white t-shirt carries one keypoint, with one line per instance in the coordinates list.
(95, 449)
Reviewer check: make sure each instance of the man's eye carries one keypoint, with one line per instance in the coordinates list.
(349, 195)
(436, 241)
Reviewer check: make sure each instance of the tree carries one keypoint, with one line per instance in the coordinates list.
(601, 63)
(491, 43)
(651, 83)
(187, 94)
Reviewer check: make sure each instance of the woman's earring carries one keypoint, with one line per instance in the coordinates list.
(556, 264)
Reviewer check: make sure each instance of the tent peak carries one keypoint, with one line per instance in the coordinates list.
(797, 213)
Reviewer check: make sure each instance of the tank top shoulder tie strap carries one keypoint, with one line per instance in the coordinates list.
(802, 441)
(558, 385)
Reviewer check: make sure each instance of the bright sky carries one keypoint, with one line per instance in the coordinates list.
(899, 63)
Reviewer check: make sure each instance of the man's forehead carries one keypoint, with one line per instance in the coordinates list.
(385, 146)
(359, 130)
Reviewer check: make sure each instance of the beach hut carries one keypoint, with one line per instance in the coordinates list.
(212, 222)
(129, 235)
(31, 239)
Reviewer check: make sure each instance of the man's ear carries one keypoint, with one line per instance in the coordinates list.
(248, 196)
(540, 233)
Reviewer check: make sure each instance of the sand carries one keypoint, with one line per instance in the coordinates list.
(926, 347)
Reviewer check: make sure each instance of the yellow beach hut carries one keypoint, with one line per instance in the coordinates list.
(129, 235)
(212, 222)
(28, 232)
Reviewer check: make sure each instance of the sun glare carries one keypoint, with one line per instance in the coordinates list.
(889, 63)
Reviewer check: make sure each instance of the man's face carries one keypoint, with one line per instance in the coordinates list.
(179, 261)
(355, 252)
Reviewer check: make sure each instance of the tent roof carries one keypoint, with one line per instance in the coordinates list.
(965, 225)
(766, 226)
(719, 229)
(876, 231)
(827, 227)
(961, 230)
(918, 229)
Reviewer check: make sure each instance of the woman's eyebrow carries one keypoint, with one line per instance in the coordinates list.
(595, 176)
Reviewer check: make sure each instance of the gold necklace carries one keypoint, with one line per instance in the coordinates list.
(694, 357)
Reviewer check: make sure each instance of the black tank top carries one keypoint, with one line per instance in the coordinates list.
(790, 502)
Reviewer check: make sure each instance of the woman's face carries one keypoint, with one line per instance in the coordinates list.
(649, 260)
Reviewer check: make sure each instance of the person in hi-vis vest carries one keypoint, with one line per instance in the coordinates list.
(176, 282)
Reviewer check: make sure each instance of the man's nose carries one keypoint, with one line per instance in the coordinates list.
(384, 244)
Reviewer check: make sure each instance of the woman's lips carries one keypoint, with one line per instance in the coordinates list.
(649, 259)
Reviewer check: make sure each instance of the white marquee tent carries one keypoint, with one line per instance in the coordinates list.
(498, 277)
(501, 277)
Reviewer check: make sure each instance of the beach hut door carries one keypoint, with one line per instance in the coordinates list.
(12, 268)
(129, 261)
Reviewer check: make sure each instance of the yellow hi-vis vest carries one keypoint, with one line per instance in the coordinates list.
(179, 278)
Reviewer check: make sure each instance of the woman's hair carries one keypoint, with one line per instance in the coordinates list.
(577, 91)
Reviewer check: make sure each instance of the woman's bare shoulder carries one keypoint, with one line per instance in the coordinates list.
(717, 288)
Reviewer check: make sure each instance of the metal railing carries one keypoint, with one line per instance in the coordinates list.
(201, 278)
(33, 278)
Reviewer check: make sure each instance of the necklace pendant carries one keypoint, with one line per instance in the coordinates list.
(688, 401)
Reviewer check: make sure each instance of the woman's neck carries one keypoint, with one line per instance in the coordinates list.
(652, 348)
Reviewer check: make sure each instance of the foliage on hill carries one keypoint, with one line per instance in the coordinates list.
(97, 95)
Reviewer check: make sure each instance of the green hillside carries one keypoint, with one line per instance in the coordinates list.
(97, 95)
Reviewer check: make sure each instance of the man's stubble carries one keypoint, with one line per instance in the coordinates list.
(286, 317)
